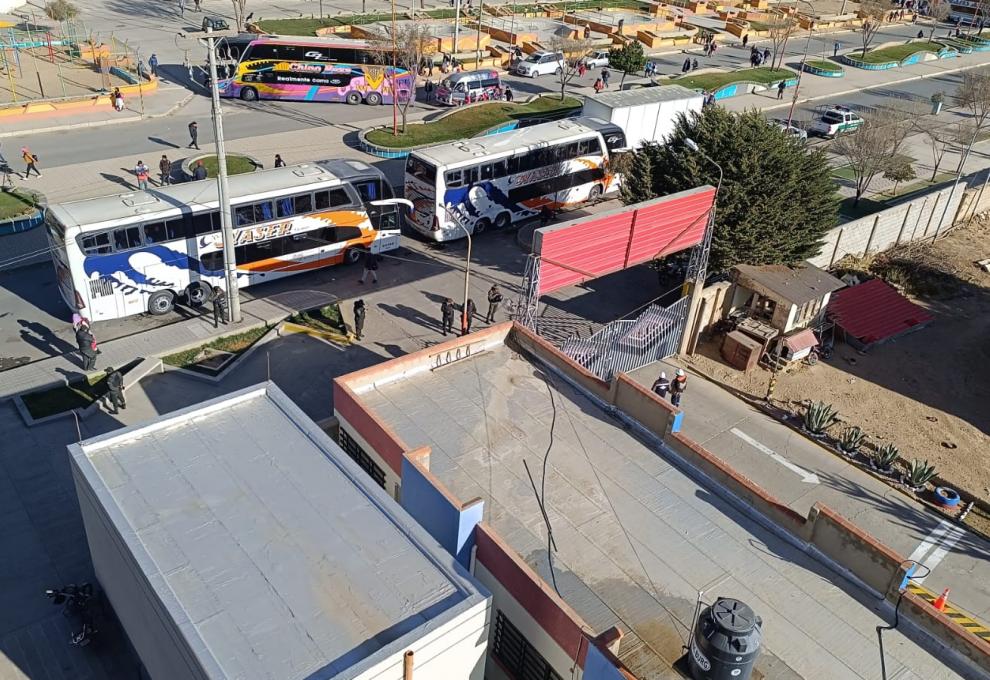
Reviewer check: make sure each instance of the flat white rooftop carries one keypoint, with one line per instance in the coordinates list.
(270, 549)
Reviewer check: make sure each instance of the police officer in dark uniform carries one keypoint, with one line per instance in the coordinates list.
(469, 313)
(219, 307)
(85, 342)
(115, 390)
(494, 300)
(447, 315)
(359, 313)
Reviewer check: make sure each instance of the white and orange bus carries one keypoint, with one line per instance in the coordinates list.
(140, 252)
(492, 182)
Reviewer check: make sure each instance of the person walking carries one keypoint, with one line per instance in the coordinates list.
(370, 267)
(686, 66)
(115, 390)
(198, 5)
(835, 48)
(360, 311)
(447, 315)
(78, 320)
(780, 89)
(745, 40)
(182, 8)
(87, 347)
(694, 64)
(599, 85)
(605, 76)
(766, 55)
(118, 99)
(507, 93)
(30, 162)
(661, 386)
(219, 307)
(193, 136)
(165, 170)
(141, 172)
(494, 300)
(279, 163)
(153, 63)
(678, 387)
(199, 172)
(469, 313)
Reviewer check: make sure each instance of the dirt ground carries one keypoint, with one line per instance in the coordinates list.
(928, 392)
(38, 77)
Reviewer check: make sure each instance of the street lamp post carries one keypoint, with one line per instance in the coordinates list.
(226, 226)
(467, 278)
(698, 265)
(807, 45)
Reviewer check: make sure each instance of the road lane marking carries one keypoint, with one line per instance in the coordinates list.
(947, 543)
(806, 477)
(930, 540)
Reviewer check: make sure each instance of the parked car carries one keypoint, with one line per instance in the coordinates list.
(596, 59)
(541, 64)
(836, 120)
(792, 130)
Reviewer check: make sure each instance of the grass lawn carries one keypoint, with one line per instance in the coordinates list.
(77, 394)
(469, 122)
(236, 165)
(823, 65)
(759, 26)
(865, 207)
(236, 344)
(323, 319)
(896, 53)
(713, 81)
(909, 188)
(15, 204)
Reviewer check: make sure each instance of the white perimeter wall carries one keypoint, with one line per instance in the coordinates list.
(455, 650)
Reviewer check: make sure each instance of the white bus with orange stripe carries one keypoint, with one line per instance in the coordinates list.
(140, 252)
(495, 181)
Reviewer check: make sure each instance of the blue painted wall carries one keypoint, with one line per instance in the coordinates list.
(453, 529)
(597, 667)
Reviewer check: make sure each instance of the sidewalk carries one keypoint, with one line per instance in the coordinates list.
(800, 473)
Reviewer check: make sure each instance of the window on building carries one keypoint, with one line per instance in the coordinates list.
(519, 658)
(360, 457)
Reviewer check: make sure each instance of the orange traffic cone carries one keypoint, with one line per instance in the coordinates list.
(940, 602)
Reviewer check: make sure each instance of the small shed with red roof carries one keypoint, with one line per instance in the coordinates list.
(873, 312)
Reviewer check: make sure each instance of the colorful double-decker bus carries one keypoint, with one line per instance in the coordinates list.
(318, 70)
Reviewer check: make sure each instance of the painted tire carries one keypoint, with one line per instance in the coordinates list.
(946, 497)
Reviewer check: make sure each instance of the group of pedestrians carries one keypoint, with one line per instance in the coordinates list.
(757, 58)
(447, 310)
(663, 386)
(601, 83)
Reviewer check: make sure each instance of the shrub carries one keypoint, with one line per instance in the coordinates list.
(919, 473)
(61, 10)
(885, 456)
(851, 439)
(819, 417)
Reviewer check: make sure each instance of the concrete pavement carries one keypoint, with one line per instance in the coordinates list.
(800, 473)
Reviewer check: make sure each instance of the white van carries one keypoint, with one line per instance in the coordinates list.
(470, 86)
(541, 64)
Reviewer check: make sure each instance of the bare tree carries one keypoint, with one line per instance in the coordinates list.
(980, 14)
(869, 151)
(781, 27)
(940, 139)
(873, 13)
(974, 94)
(240, 7)
(413, 45)
(939, 11)
(572, 49)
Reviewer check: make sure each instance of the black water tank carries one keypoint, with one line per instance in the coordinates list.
(726, 642)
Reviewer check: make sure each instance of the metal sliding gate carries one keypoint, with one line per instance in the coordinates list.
(623, 346)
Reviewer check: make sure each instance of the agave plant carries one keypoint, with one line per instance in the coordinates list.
(919, 473)
(851, 439)
(884, 457)
(819, 417)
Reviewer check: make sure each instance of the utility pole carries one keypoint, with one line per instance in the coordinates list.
(226, 227)
(457, 27)
(477, 42)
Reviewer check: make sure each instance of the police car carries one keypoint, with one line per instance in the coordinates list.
(835, 120)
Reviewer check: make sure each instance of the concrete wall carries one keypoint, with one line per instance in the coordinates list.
(645, 406)
(948, 632)
(908, 221)
(529, 342)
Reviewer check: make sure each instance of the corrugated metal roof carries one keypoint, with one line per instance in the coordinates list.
(801, 340)
(643, 95)
(875, 311)
(796, 284)
(273, 552)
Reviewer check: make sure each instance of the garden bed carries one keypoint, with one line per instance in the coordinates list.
(16, 203)
(824, 68)
(895, 53)
(194, 359)
(77, 394)
(469, 122)
(236, 165)
(326, 319)
(710, 82)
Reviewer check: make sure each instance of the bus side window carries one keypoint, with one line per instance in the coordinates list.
(263, 211)
(470, 176)
(595, 146)
(499, 169)
(284, 207)
(155, 232)
(368, 190)
(212, 261)
(129, 237)
(96, 244)
(584, 147)
(203, 223)
(454, 179)
(339, 197)
(486, 172)
(243, 215)
(304, 203)
(513, 165)
(571, 151)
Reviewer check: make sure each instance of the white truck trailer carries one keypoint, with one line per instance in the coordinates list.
(645, 114)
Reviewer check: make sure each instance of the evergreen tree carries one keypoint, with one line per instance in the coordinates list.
(777, 198)
(637, 175)
(629, 58)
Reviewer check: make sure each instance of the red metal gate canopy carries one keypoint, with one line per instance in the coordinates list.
(591, 247)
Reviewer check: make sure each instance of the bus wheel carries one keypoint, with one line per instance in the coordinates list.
(249, 94)
(595, 193)
(353, 98)
(482, 225)
(503, 220)
(197, 293)
(373, 99)
(353, 255)
(161, 302)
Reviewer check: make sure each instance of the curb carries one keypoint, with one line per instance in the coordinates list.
(269, 335)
